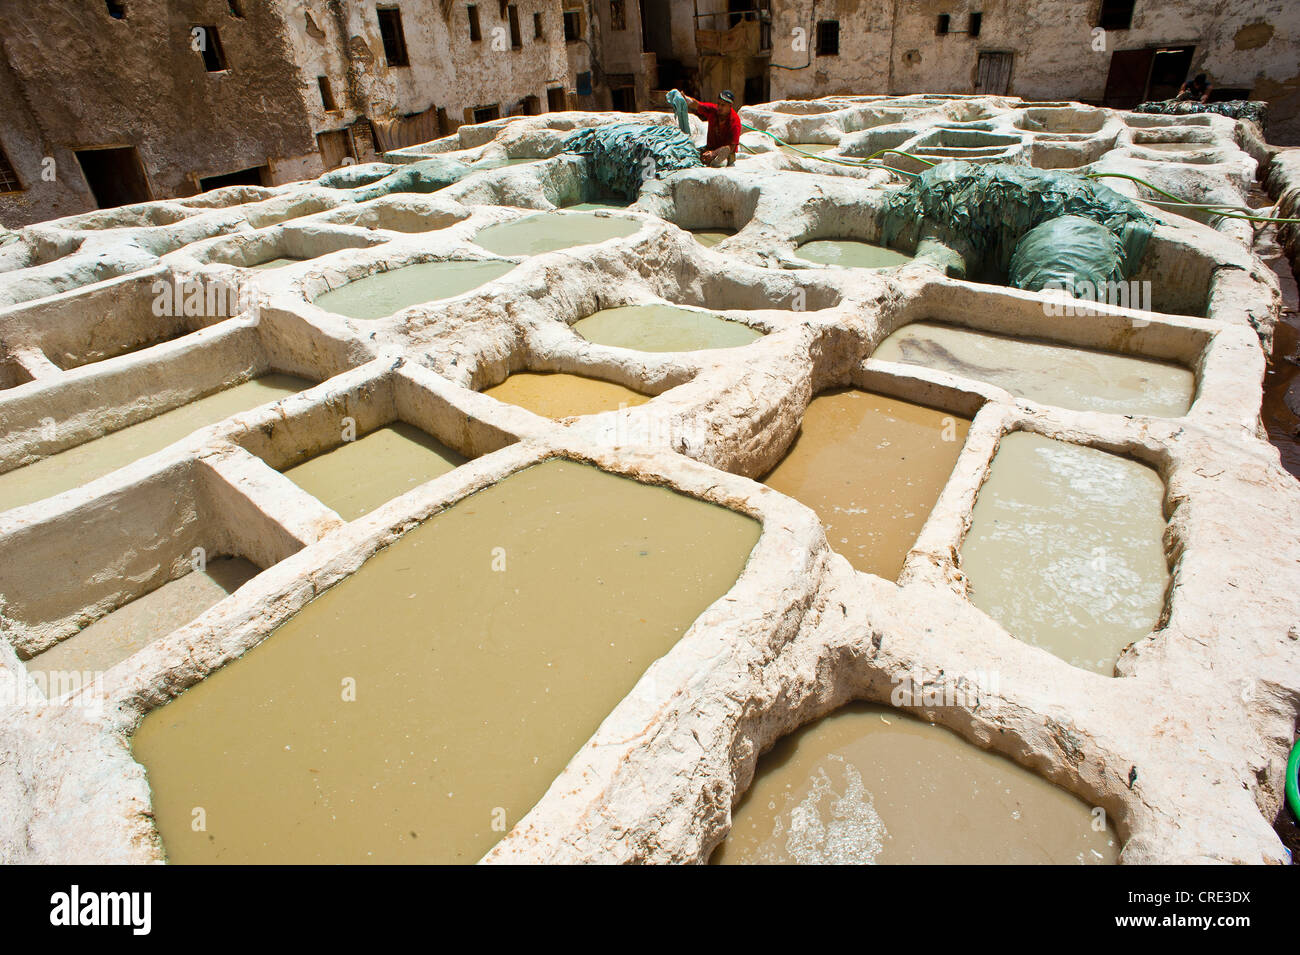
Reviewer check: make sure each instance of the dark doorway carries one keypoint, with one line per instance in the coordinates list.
(755, 90)
(623, 99)
(1126, 83)
(1168, 71)
(115, 176)
(252, 176)
(555, 99)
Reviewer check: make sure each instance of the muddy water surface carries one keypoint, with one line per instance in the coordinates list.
(1076, 378)
(549, 231)
(660, 328)
(868, 784)
(872, 468)
(358, 476)
(94, 459)
(850, 254)
(560, 395)
(382, 294)
(1065, 549)
(482, 649)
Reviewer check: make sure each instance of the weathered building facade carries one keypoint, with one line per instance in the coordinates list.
(114, 101)
(1111, 52)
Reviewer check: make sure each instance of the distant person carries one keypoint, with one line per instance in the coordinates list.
(1196, 90)
(723, 140)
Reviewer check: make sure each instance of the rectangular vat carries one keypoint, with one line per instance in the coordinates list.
(417, 710)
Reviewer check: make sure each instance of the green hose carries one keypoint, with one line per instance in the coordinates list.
(1292, 784)
(1207, 207)
(866, 162)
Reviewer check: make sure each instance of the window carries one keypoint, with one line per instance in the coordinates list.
(974, 23)
(516, 41)
(1116, 14)
(475, 34)
(555, 99)
(828, 38)
(944, 24)
(390, 31)
(501, 9)
(8, 175)
(116, 9)
(572, 26)
(326, 94)
(252, 176)
(485, 114)
(115, 176)
(537, 27)
(236, 10)
(207, 42)
(617, 15)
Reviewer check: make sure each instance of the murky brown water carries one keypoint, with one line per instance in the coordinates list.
(358, 476)
(382, 294)
(710, 237)
(484, 647)
(660, 328)
(550, 231)
(1065, 549)
(872, 468)
(270, 264)
(1076, 378)
(94, 459)
(560, 395)
(133, 626)
(849, 254)
(868, 784)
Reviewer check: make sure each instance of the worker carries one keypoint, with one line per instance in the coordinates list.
(1196, 90)
(723, 140)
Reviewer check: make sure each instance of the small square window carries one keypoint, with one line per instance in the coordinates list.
(516, 40)
(828, 38)
(1116, 14)
(572, 26)
(974, 24)
(116, 9)
(475, 32)
(617, 15)
(944, 24)
(537, 27)
(9, 181)
(207, 42)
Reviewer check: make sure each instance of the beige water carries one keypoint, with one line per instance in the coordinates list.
(358, 476)
(133, 626)
(474, 686)
(1065, 549)
(274, 264)
(549, 231)
(872, 468)
(94, 459)
(660, 328)
(710, 237)
(868, 784)
(560, 395)
(595, 206)
(382, 294)
(849, 254)
(1076, 378)
(1174, 147)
